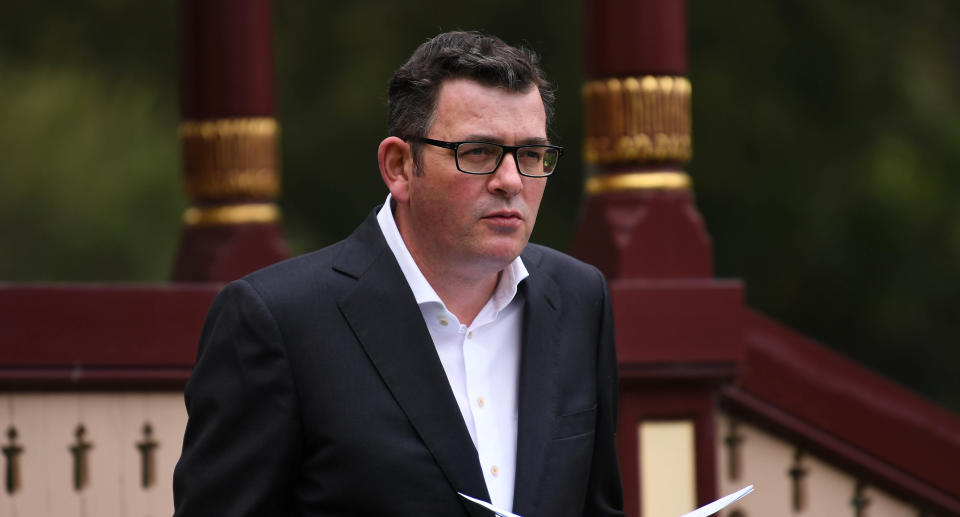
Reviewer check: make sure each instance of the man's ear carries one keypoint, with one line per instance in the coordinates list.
(396, 167)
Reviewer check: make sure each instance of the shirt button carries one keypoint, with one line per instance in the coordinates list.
(444, 322)
(480, 401)
(495, 471)
(470, 335)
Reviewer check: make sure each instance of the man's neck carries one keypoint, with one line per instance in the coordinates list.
(464, 295)
(463, 285)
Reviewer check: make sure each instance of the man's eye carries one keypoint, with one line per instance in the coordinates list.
(476, 152)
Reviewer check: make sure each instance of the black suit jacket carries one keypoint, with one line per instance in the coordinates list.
(317, 391)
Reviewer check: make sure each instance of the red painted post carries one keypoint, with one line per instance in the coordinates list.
(640, 221)
(229, 135)
(679, 331)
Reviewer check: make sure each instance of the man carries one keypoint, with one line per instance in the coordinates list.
(433, 351)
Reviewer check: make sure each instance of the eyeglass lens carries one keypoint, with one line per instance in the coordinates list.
(483, 158)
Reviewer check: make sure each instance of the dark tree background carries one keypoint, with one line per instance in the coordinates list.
(826, 141)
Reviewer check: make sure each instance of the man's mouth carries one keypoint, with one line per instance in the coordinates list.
(504, 215)
(504, 221)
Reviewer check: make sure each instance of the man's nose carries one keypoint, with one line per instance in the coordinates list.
(506, 180)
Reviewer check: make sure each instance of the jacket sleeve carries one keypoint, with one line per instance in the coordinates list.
(243, 436)
(604, 491)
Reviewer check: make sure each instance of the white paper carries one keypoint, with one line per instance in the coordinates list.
(720, 504)
(488, 506)
(703, 511)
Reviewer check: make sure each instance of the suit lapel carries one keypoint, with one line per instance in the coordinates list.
(385, 317)
(538, 382)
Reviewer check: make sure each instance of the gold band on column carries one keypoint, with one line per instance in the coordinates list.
(637, 119)
(667, 180)
(230, 158)
(221, 215)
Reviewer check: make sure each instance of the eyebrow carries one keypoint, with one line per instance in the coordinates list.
(536, 140)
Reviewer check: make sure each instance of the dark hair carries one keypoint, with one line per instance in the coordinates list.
(412, 96)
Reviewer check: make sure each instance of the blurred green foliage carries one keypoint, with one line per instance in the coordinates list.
(826, 137)
(827, 145)
(88, 152)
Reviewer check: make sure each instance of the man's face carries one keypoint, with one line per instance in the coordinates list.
(476, 223)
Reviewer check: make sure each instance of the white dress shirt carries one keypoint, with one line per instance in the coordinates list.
(482, 361)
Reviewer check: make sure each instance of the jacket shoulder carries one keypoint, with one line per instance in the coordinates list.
(566, 271)
(553, 261)
(311, 262)
(296, 280)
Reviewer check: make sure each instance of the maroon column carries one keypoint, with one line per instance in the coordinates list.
(638, 136)
(229, 139)
(679, 331)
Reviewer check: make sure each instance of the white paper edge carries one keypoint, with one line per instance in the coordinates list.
(720, 504)
(488, 506)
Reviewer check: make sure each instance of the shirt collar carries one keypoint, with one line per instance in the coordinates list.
(423, 292)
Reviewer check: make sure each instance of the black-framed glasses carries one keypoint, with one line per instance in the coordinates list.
(534, 161)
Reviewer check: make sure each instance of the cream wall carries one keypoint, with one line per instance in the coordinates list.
(46, 424)
(668, 475)
(766, 461)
